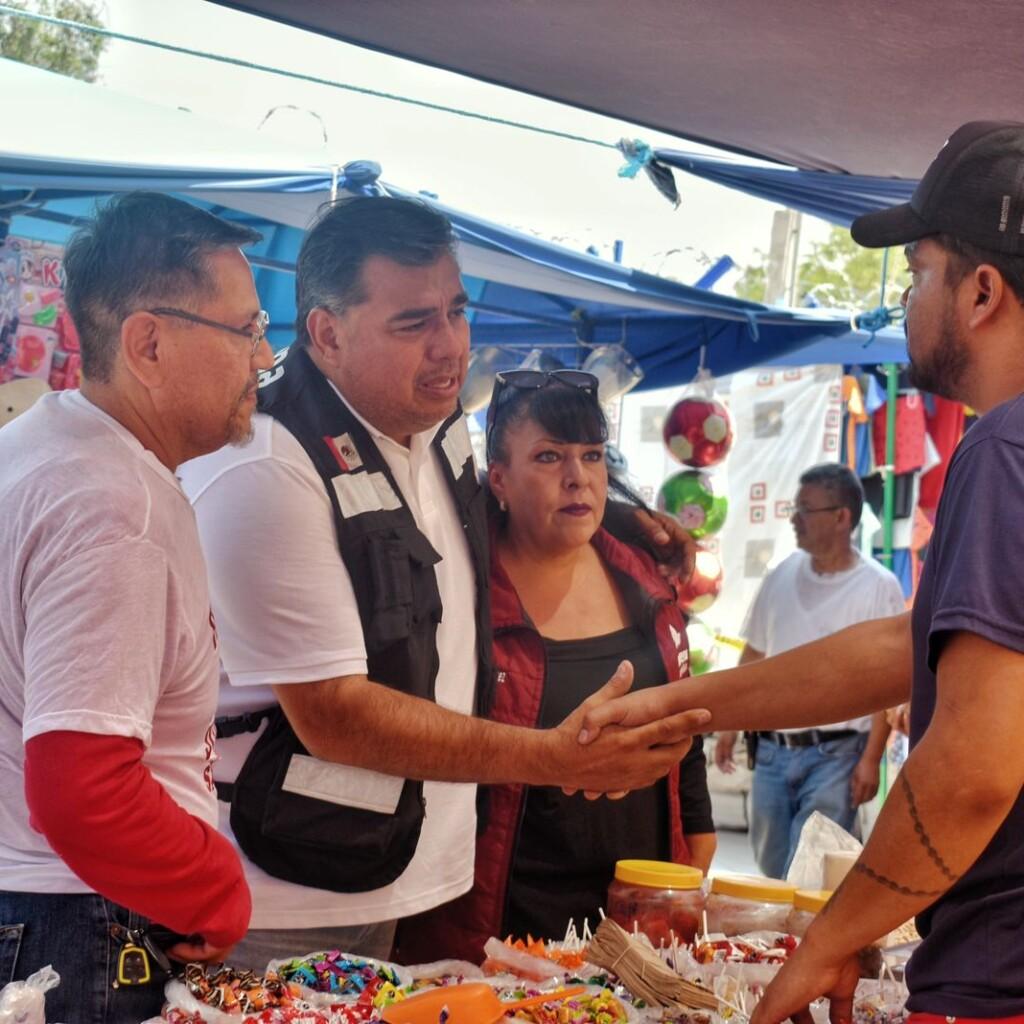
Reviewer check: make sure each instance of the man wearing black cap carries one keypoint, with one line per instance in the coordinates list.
(949, 844)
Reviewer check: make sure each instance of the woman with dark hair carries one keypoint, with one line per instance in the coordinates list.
(568, 603)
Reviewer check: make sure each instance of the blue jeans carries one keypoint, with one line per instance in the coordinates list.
(789, 785)
(72, 931)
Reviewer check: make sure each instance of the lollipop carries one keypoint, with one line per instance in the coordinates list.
(700, 590)
(698, 431)
(690, 497)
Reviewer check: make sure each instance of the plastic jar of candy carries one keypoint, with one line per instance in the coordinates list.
(659, 898)
(806, 905)
(742, 903)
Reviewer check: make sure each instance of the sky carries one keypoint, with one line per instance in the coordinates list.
(565, 191)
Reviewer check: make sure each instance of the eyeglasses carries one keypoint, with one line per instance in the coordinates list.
(508, 382)
(256, 333)
(800, 510)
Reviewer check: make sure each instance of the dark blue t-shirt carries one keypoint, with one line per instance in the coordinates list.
(971, 962)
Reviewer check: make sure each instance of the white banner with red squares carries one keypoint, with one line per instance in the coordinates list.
(786, 420)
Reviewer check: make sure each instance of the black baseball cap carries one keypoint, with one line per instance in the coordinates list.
(973, 190)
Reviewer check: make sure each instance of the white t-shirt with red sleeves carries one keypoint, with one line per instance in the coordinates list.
(105, 622)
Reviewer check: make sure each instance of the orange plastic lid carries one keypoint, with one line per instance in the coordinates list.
(658, 874)
(812, 900)
(750, 887)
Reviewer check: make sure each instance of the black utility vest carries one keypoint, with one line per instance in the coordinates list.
(320, 842)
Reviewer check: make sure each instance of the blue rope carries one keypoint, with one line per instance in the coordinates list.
(638, 155)
(297, 76)
(873, 320)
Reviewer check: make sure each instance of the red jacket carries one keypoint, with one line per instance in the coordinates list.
(459, 929)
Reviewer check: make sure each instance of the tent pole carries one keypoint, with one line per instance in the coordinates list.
(889, 480)
(889, 488)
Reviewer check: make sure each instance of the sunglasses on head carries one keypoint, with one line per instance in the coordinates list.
(507, 382)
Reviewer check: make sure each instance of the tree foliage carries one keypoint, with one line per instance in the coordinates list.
(64, 50)
(836, 273)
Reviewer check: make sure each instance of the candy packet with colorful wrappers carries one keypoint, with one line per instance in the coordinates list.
(343, 977)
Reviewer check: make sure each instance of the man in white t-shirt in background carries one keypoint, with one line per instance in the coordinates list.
(820, 589)
(372, 444)
(108, 659)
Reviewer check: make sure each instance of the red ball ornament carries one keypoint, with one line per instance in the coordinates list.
(703, 587)
(698, 431)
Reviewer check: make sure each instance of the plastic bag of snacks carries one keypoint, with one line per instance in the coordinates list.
(597, 1004)
(217, 994)
(331, 976)
(24, 1002)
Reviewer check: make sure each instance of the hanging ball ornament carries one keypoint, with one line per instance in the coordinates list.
(690, 497)
(703, 646)
(698, 432)
(699, 592)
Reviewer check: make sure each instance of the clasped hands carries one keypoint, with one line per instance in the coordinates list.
(617, 741)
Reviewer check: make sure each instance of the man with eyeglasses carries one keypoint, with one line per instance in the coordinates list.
(822, 587)
(347, 550)
(110, 859)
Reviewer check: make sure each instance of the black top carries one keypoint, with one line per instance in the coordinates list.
(971, 960)
(568, 846)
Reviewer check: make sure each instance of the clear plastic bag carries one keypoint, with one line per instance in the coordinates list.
(819, 836)
(24, 1002)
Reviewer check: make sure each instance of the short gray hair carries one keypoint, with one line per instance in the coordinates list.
(840, 482)
(141, 249)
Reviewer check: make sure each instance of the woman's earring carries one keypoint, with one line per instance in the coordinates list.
(503, 505)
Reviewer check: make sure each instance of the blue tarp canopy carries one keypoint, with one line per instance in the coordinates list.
(838, 198)
(524, 292)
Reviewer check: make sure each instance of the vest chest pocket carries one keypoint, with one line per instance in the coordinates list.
(404, 587)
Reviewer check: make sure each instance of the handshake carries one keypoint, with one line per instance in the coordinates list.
(617, 741)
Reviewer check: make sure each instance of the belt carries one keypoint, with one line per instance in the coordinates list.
(809, 737)
(236, 726)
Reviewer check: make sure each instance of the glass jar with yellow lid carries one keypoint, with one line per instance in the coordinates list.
(661, 899)
(807, 903)
(743, 903)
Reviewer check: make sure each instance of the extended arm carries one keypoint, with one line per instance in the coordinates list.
(950, 798)
(356, 721)
(855, 672)
(727, 740)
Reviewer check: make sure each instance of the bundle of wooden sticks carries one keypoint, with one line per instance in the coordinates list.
(643, 972)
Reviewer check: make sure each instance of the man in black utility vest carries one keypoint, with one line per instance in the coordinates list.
(363, 676)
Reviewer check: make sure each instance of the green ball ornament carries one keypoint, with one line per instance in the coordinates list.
(690, 497)
(703, 646)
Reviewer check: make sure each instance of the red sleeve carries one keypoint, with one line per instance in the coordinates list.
(120, 831)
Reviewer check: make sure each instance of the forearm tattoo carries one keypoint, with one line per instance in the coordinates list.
(895, 886)
(926, 842)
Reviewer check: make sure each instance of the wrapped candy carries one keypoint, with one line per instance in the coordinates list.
(233, 991)
(338, 973)
(690, 497)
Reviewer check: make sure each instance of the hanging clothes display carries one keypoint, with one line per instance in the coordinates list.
(944, 420)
